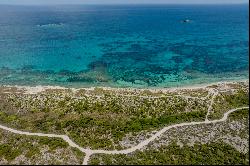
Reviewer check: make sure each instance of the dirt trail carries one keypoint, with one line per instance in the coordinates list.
(90, 152)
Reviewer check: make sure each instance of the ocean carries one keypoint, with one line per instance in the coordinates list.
(139, 46)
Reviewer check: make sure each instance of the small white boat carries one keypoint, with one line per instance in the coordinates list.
(187, 20)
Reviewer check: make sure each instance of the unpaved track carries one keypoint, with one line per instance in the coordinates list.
(214, 93)
(90, 152)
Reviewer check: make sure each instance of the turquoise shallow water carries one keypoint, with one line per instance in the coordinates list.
(123, 46)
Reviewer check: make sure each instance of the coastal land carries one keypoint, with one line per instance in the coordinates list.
(202, 124)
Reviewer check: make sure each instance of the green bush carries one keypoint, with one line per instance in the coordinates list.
(53, 143)
(9, 152)
(240, 114)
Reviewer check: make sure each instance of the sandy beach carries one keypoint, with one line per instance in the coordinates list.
(38, 89)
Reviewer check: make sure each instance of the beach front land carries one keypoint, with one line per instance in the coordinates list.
(192, 125)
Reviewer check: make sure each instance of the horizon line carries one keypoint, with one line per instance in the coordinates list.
(52, 4)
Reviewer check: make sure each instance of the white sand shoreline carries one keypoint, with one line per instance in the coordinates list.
(41, 88)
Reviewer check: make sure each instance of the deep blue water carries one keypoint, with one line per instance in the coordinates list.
(123, 46)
